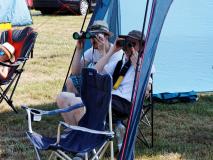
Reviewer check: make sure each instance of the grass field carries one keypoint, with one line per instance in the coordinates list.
(182, 131)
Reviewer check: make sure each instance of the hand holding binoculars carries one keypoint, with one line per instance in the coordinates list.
(125, 41)
(83, 35)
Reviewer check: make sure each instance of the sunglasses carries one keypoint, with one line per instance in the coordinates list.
(1, 52)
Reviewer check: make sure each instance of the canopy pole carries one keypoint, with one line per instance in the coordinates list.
(72, 57)
(135, 78)
(141, 49)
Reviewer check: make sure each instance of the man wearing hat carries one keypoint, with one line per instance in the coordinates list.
(123, 73)
(123, 78)
(7, 56)
(100, 46)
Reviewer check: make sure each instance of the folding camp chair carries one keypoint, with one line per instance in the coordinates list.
(91, 135)
(23, 42)
(146, 120)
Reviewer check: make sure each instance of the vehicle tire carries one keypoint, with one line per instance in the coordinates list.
(83, 6)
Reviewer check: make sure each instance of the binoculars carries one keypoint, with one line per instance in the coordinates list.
(83, 35)
(125, 42)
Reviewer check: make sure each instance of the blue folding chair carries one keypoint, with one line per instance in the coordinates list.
(91, 136)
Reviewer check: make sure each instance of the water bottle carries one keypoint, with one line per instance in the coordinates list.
(119, 133)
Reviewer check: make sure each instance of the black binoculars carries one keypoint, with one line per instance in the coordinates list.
(125, 41)
(83, 35)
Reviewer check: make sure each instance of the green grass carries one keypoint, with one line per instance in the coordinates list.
(181, 131)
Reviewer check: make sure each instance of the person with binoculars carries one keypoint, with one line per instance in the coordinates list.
(98, 34)
(123, 72)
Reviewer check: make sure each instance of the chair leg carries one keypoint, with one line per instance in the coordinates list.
(101, 150)
(50, 157)
(152, 125)
(86, 156)
(6, 97)
(1, 97)
(143, 139)
(37, 153)
(111, 150)
(10, 102)
(94, 152)
(62, 155)
(149, 123)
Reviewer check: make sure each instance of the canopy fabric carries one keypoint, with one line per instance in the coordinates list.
(109, 11)
(129, 16)
(157, 17)
(184, 60)
(15, 12)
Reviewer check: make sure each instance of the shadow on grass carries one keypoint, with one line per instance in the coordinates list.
(183, 128)
(181, 131)
(14, 143)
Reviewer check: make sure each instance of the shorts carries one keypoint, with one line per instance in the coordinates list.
(120, 108)
(76, 80)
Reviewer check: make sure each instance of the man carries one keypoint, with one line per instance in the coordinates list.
(123, 72)
(122, 89)
(100, 46)
(123, 79)
(123, 76)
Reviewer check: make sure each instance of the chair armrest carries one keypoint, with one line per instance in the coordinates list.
(36, 114)
(83, 129)
(53, 112)
(11, 65)
(22, 59)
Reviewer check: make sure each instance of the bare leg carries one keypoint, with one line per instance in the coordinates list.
(4, 72)
(65, 99)
(70, 87)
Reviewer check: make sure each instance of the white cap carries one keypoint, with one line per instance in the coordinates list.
(9, 50)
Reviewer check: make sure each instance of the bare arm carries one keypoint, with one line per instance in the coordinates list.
(77, 62)
(4, 72)
(134, 57)
(104, 60)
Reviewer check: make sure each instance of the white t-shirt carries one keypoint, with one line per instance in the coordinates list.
(110, 66)
(125, 88)
(92, 56)
(152, 72)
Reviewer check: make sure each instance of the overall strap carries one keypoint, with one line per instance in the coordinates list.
(117, 71)
(122, 72)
